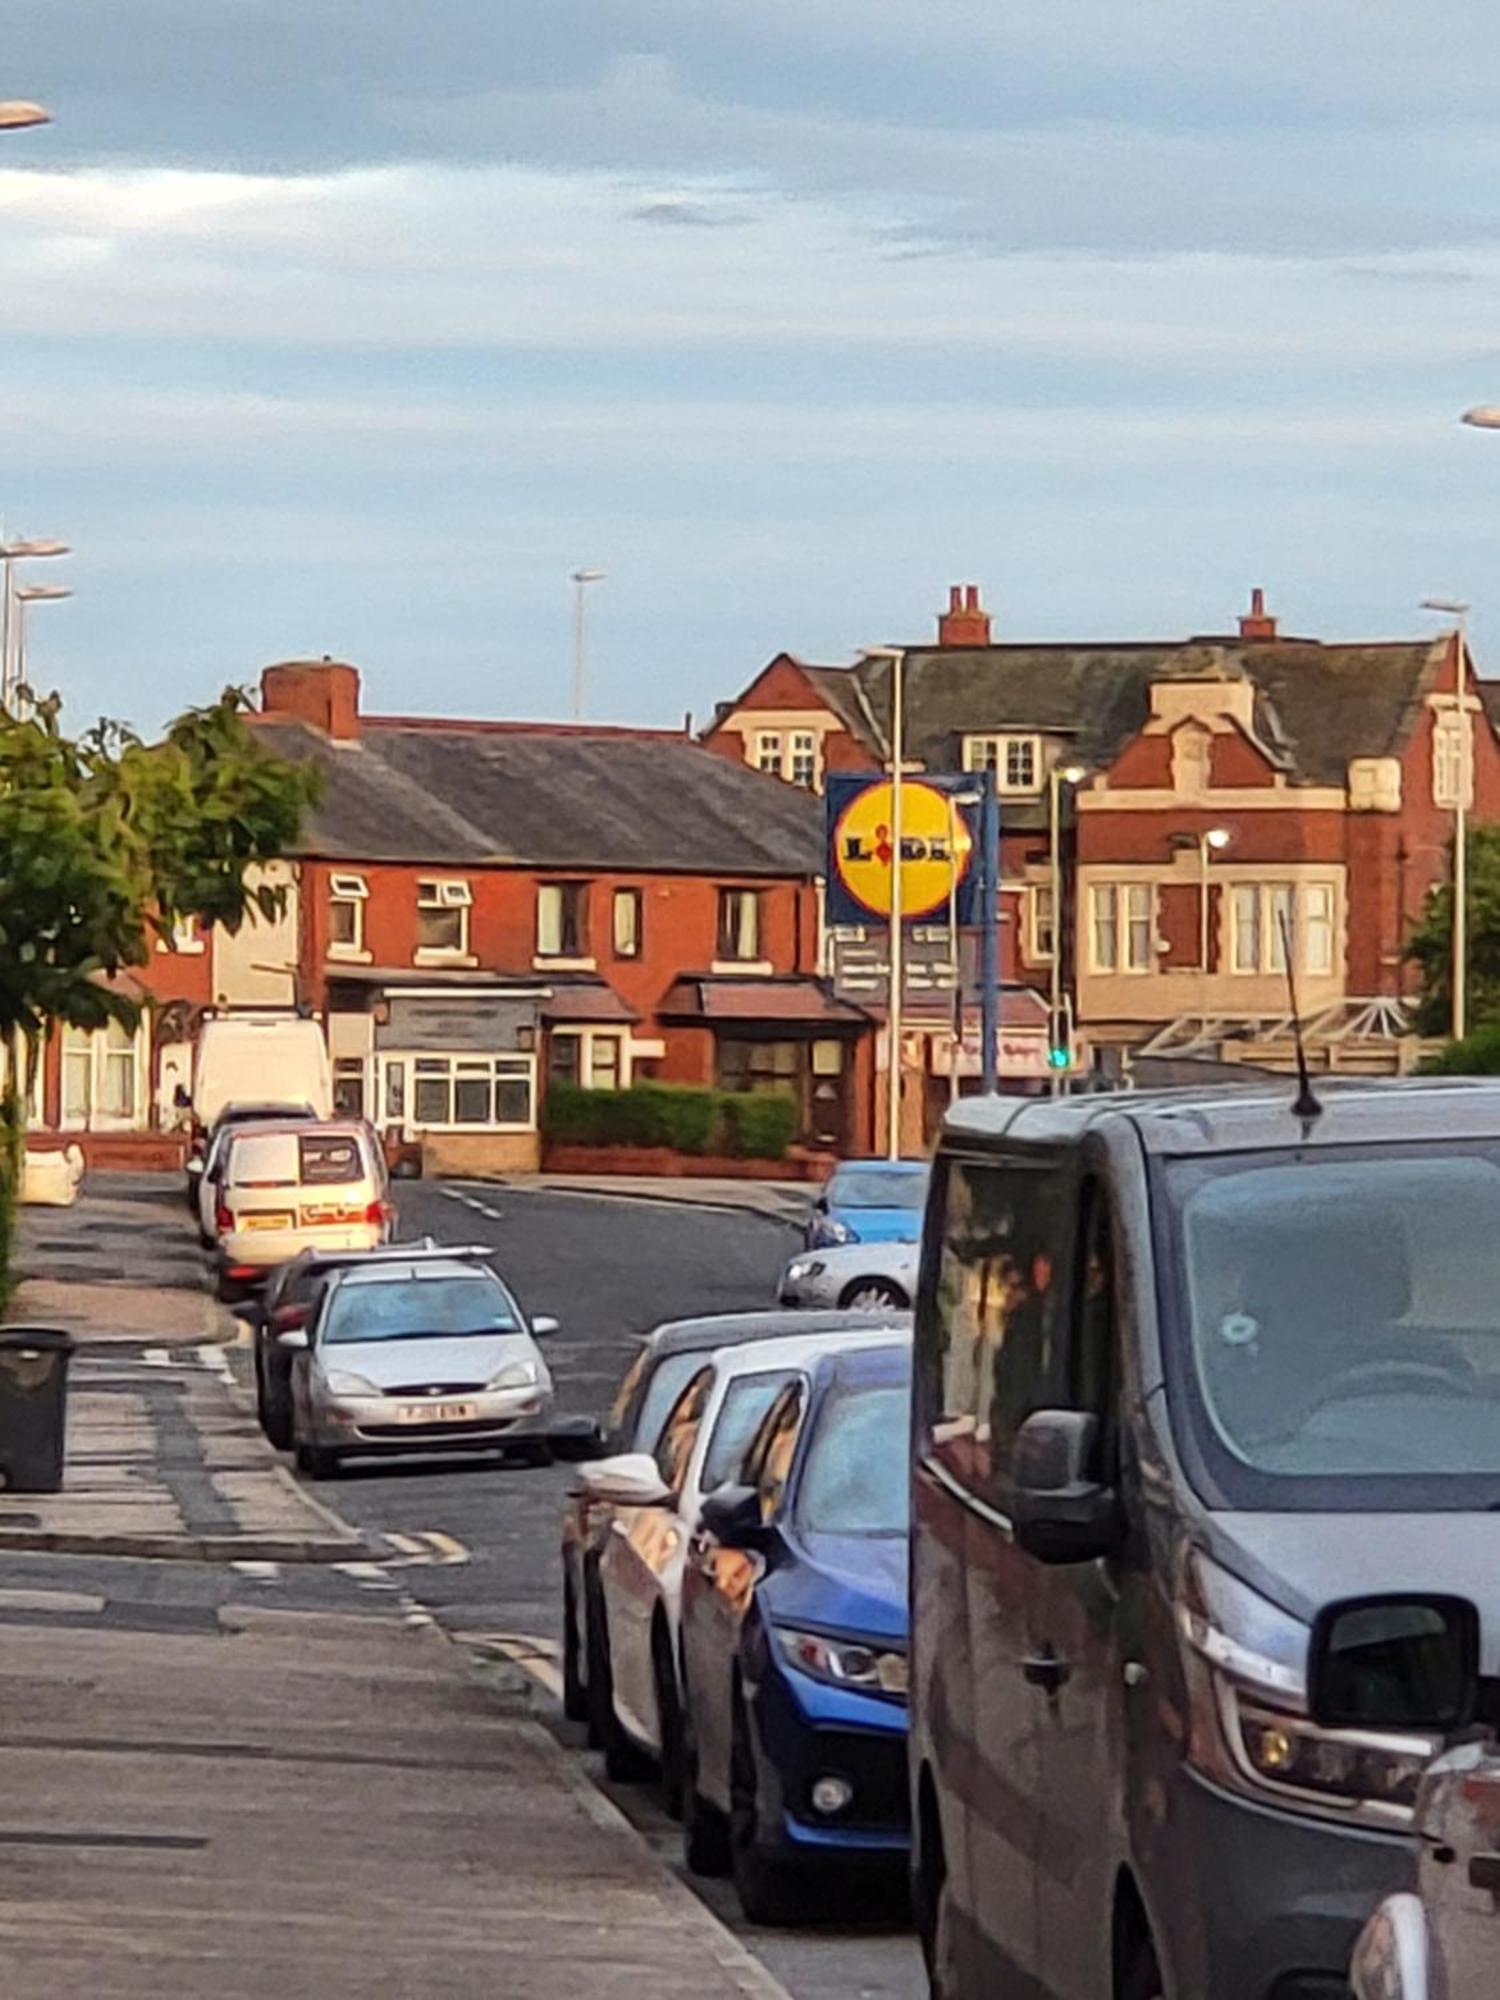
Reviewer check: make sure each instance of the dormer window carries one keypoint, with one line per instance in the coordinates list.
(1015, 760)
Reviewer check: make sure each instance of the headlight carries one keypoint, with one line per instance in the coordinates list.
(517, 1375)
(846, 1662)
(1247, 1673)
(831, 1230)
(340, 1384)
(803, 1267)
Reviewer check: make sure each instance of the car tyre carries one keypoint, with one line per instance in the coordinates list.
(768, 1893)
(575, 1688)
(705, 1831)
(870, 1294)
(669, 1720)
(318, 1462)
(1143, 1980)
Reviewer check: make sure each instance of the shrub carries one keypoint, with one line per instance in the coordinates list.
(761, 1124)
(648, 1114)
(1476, 1055)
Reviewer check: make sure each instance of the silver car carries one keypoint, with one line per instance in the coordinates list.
(855, 1276)
(431, 1355)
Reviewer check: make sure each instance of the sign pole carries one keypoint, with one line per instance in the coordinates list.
(897, 955)
(989, 977)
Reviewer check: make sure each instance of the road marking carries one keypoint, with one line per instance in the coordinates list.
(215, 1361)
(428, 1548)
(449, 1549)
(157, 1357)
(369, 1576)
(472, 1201)
(534, 1656)
(408, 1544)
(259, 1572)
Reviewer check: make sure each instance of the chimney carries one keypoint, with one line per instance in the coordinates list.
(324, 693)
(965, 622)
(1255, 624)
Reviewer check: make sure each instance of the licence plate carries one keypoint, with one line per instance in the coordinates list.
(267, 1221)
(438, 1413)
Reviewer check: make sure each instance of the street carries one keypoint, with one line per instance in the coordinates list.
(609, 1268)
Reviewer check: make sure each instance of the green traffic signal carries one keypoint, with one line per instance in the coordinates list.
(1058, 1058)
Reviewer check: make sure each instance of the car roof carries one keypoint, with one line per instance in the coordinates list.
(283, 1108)
(411, 1270)
(881, 1166)
(870, 1366)
(427, 1247)
(1249, 1117)
(301, 1128)
(810, 1348)
(686, 1336)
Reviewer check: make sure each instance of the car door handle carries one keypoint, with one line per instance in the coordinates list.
(1045, 1670)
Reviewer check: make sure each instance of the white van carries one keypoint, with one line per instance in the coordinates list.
(261, 1059)
(298, 1186)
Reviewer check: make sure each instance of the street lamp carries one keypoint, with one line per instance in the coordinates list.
(10, 554)
(897, 657)
(28, 594)
(581, 579)
(1212, 842)
(16, 115)
(967, 799)
(1060, 775)
(1463, 781)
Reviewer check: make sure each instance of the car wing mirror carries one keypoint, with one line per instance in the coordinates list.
(542, 1324)
(732, 1515)
(1397, 1662)
(577, 1440)
(247, 1310)
(294, 1339)
(629, 1479)
(1062, 1512)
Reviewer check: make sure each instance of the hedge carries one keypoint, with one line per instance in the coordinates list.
(680, 1116)
(1478, 1054)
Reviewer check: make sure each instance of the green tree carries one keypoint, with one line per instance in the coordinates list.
(106, 842)
(1431, 944)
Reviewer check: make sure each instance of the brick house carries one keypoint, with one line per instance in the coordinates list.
(480, 908)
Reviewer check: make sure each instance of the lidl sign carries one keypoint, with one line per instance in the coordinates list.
(938, 844)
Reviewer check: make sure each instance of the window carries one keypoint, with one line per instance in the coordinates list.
(1257, 911)
(561, 927)
(627, 923)
(349, 1086)
(1317, 928)
(745, 1404)
(674, 1448)
(463, 1092)
(1245, 908)
(1122, 926)
(762, 1066)
(1041, 923)
(565, 1058)
(605, 1061)
(802, 764)
(77, 1076)
(101, 1077)
(347, 895)
(768, 1462)
(1452, 760)
(1015, 760)
(990, 1340)
(791, 755)
(739, 924)
(443, 919)
(768, 752)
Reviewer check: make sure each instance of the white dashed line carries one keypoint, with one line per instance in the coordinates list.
(259, 1572)
(216, 1361)
(156, 1357)
(369, 1576)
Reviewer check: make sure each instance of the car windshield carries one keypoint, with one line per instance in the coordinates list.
(878, 1187)
(408, 1309)
(853, 1481)
(1339, 1315)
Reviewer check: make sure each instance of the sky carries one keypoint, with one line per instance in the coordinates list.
(354, 326)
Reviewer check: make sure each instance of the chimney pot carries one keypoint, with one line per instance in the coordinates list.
(323, 693)
(1256, 624)
(965, 622)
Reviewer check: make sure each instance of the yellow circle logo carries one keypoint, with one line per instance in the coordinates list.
(936, 848)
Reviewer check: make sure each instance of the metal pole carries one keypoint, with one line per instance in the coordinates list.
(1460, 844)
(957, 1036)
(989, 980)
(578, 648)
(1054, 781)
(6, 565)
(897, 954)
(1203, 929)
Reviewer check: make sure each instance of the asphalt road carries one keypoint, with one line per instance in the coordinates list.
(608, 1269)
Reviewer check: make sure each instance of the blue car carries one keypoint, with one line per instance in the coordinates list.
(870, 1201)
(794, 1641)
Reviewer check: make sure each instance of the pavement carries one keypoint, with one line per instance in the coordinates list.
(248, 1775)
(777, 1201)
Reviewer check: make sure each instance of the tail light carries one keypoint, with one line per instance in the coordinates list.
(379, 1212)
(222, 1217)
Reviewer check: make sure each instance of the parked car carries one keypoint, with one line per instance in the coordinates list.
(658, 1372)
(208, 1143)
(426, 1354)
(857, 1276)
(1190, 1365)
(290, 1300)
(869, 1201)
(284, 1188)
(794, 1642)
(655, 1497)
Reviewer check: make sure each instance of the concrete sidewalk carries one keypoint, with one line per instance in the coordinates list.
(303, 1804)
(777, 1201)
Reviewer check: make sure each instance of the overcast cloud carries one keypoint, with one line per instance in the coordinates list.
(350, 326)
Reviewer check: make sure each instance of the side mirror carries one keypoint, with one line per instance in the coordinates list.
(732, 1516)
(1062, 1514)
(577, 1440)
(1409, 1662)
(247, 1310)
(542, 1324)
(294, 1340)
(628, 1480)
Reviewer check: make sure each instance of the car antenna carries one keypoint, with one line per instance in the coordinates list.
(1308, 1105)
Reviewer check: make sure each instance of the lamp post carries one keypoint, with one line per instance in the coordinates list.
(897, 657)
(1060, 775)
(16, 115)
(581, 580)
(1464, 778)
(10, 554)
(28, 594)
(1211, 842)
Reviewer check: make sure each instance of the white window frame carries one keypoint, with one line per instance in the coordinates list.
(508, 1063)
(93, 1046)
(186, 941)
(1120, 903)
(440, 892)
(993, 752)
(1319, 924)
(633, 899)
(1041, 932)
(1452, 759)
(348, 891)
(550, 952)
(802, 759)
(1269, 897)
(757, 903)
(770, 749)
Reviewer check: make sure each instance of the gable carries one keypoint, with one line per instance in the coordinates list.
(782, 686)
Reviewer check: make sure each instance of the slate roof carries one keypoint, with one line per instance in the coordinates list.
(420, 791)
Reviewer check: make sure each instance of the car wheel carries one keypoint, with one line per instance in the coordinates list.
(705, 1831)
(869, 1294)
(669, 1717)
(531, 1451)
(623, 1763)
(932, 1903)
(767, 1892)
(318, 1462)
(1143, 1980)
(276, 1421)
(575, 1690)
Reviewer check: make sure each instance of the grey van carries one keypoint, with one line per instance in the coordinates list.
(1189, 1366)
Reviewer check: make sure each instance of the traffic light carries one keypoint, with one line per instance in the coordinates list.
(1058, 1057)
(1059, 1041)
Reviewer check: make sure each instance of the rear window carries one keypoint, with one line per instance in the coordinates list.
(290, 1159)
(329, 1159)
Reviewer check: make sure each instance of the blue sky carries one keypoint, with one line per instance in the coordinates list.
(350, 326)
